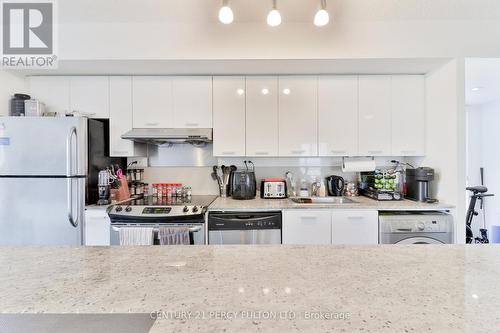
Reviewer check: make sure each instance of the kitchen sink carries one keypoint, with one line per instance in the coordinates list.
(323, 200)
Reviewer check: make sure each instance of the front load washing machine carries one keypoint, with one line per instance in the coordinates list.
(415, 228)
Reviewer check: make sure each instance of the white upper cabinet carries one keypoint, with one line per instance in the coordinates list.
(375, 115)
(192, 102)
(53, 91)
(89, 95)
(298, 116)
(262, 116)
(408, 115)
(152, 102)
(120, 122)
(338, 115)
(229, 115)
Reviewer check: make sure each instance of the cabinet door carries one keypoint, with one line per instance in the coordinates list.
(152, 102)
(192, 102)
(89, 95)
(97, 227)
(120, 118)
(53, 91)
(338, 115)
(229, 116)
(262, 116)
(298, 116)
(354, 227)
(307, 227)
(375, 115)
(408, 115)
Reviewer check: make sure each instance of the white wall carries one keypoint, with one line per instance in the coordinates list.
(490, 152)
(9, 85)
(445, 138)
(188, 29)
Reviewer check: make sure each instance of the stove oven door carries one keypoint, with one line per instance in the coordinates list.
(196, 234)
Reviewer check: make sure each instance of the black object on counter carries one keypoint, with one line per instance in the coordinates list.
(335, 186)
(17, 105)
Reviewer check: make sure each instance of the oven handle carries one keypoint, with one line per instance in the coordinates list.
(193, 229)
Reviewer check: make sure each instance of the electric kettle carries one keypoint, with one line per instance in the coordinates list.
(335, 186)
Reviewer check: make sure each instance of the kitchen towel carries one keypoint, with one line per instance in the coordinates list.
(174, 236)
(136, 236)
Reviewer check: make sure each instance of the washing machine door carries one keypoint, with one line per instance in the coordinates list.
(419, 240)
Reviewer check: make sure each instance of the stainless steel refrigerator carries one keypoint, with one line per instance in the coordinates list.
(43, 170)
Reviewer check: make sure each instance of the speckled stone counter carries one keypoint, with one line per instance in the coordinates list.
(360, 203)
(447, 288)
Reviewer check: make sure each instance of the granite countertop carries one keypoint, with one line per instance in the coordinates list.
(407, 288)
(361, 202)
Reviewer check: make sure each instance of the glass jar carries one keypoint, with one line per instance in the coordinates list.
(189, 192)
(178, 190)
(159, 190)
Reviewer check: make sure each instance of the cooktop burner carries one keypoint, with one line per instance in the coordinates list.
(154, 208)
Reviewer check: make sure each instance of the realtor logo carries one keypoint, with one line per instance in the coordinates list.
(28, 33)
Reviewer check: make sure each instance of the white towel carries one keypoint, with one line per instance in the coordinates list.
(136, 236)
(174, 236)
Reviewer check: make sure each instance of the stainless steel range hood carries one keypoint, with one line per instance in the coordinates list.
(159, 136)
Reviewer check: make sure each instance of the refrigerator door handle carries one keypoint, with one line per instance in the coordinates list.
(69, 152)
(71, 217)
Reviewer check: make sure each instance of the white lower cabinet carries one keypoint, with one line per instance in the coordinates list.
(330, 226)
(354, 227)
(307, 226)
(97, 227)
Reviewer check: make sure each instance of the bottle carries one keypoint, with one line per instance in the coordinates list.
(304, 192)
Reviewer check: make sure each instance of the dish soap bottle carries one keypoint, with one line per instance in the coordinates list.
(304, 192)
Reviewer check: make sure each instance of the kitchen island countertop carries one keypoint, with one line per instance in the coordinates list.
(360, 202)
(408, 288)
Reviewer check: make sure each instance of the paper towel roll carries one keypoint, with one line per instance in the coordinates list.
(358, 164)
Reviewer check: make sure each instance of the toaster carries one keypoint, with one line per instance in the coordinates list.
(273, 188)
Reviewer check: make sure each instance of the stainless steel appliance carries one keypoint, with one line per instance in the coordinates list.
(273, 188)
(417, 184)
(415, 228)
(244, 227)
(335, 186)
(152, 212)
(159, 136)
(44, 167)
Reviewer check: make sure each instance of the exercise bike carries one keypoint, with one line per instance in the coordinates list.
(478, 192)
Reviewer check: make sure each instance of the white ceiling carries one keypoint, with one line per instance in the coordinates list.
(78, 11)
(482, 73)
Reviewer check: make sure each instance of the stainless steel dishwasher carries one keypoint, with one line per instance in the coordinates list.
(244, 228)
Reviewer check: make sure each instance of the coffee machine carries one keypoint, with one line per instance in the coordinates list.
(103, 187)
(417, 184)
(335, 186)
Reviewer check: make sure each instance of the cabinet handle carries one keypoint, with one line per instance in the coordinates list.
(261, 153)
(338, 152)
(374, 152)
(120, 151)
(191, 124)
(228, 153)
(355, 217)
(308, 218)
(408, 151)
(298, 152)
(152, 124)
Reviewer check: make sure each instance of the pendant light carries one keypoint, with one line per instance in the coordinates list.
(225, 13)
(321, 18)
(274, 16)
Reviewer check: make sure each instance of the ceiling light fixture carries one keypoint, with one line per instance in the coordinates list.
(225, 13)
(476, 89)
(321, 18)
(274, 16)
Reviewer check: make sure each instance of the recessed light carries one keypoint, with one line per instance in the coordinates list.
(240, 91)
(286, 91)
(265, 91)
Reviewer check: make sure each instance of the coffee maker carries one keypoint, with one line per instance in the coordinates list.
(103, 187)
(417, 184)
(335, 186)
